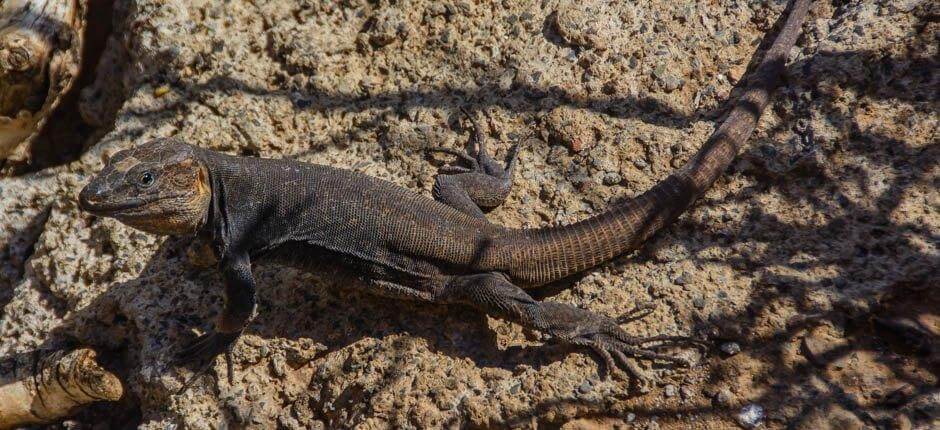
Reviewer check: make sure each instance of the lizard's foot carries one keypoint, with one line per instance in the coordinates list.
(476, 156)
(208, 346)
(494, 294)
(482, 183)
(617, 348)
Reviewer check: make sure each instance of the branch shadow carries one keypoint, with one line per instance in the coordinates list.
(881, 276)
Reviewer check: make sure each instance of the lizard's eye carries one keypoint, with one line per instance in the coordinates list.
(146, 179)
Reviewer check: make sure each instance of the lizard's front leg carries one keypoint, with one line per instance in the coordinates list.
(239, 308)
(485, 184)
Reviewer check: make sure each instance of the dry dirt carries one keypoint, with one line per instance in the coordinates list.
(816, 256)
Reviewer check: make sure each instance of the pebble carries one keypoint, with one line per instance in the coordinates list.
(611, 178)
(670, 390)
(659, 72)
(730, 348)
(631, 417)
(506, 79)
(161, 91)
(585, 387)
(278, 366)
(722, 398)
(750, 416)
(682, 279)
(672, 83)
(303, 103)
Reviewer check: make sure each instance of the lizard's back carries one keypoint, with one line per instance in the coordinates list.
(286, 202)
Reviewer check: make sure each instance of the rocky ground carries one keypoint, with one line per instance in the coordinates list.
(811, 267)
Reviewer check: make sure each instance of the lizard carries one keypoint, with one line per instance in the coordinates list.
(404, 244)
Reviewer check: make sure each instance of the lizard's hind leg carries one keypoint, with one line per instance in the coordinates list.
(483, 184)
(494, 294)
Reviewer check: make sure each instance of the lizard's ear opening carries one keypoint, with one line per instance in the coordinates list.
(203, 189)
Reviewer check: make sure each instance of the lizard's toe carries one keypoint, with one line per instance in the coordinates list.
(194, 349)
(640, 311)
(618, 349)
(207, 346)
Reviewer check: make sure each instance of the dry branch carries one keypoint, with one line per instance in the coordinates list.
(40, 388)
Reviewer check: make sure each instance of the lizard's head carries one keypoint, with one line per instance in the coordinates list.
(159, 187)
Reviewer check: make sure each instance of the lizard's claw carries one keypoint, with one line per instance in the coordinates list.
(638, 312)
(617, 348)
(208, 346)
(476, 155)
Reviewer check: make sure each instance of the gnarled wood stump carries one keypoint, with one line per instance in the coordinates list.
(40, 57)
(36, 388)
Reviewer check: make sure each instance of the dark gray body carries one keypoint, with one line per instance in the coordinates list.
(303, 214)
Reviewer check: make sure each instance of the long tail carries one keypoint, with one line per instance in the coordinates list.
(539, 256)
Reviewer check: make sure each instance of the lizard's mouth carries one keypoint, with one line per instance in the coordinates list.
(108, 208)
(91, 202)
(96, 201)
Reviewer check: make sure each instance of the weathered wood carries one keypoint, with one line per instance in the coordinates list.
(40, 57)
(40, 388)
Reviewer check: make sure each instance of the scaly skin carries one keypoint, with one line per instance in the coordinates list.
(405, 244)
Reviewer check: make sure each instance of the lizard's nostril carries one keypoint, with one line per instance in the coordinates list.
(87, 197)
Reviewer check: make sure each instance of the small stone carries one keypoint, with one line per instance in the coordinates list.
(659, 72)
(631, 417)
(303, 103)
(722, 398)
(699, 302)
(672, 83)
(278, 366)
(686, 393)
(506, 79)
(730, 348)
(611, 178)
(750, 416)
(585, 387)
(670, 390)
(161, 91)
(683, 278)
(572, 55)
